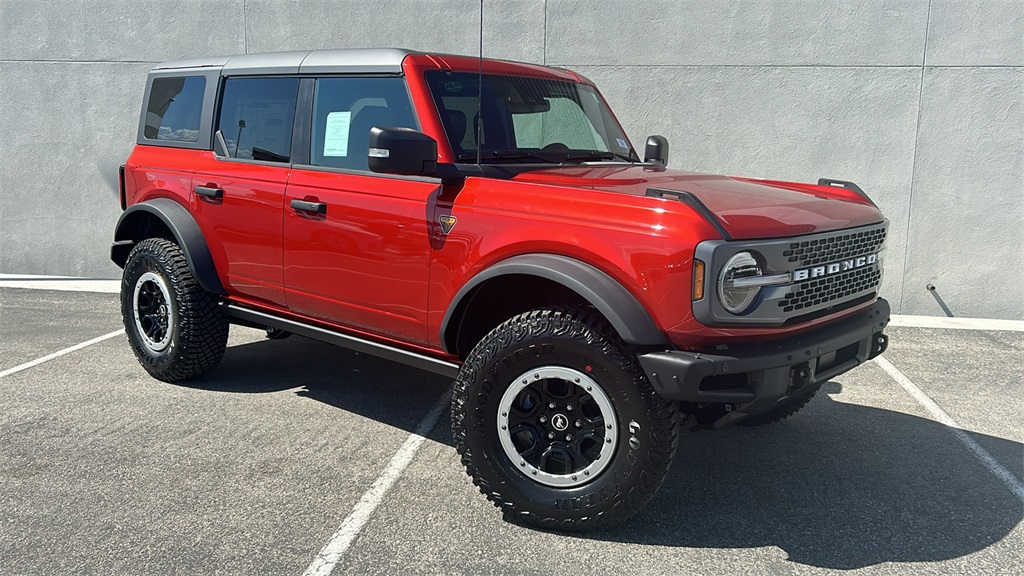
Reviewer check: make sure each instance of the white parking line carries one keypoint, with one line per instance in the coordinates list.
(61, 283)
(957, 323)
(335, 548)
(940, 415)
(59, 353)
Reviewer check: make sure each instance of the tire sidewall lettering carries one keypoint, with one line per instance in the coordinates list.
(510, 353)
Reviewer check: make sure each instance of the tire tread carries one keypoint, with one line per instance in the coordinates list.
(582, 325)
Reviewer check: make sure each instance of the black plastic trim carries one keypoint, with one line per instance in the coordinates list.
(122, 194)
(407, 357)
(186, 233)
(678, 374)
(625, 313)
(848, 185)
(693, 202)
(314, 207)
(302, 126)
(208, 192)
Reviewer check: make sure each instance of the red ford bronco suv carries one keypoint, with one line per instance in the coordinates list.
(490, 221)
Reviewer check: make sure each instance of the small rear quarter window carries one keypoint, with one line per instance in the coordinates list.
(174, 109)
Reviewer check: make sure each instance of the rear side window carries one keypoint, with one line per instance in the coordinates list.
(344, 110)
(174, 109)
(256, 116)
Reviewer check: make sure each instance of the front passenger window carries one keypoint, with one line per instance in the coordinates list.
(344, 110)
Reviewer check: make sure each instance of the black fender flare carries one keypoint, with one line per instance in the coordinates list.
(186, 234)
(622, 310)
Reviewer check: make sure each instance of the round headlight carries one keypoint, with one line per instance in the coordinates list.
(735, 297)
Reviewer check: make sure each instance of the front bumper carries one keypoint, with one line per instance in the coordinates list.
(756, 376)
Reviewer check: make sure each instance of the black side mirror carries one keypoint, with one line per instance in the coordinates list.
(656, 150)
(401, 151)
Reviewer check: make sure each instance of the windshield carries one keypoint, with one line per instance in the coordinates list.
(526, 120)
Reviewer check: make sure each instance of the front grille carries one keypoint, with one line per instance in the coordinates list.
(829, 289)
(834, 248)
(829, 272)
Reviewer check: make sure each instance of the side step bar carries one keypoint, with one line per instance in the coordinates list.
(414, 359)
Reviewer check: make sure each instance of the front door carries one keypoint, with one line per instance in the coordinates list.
(356, 244)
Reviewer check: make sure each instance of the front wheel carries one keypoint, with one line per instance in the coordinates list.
(176, 329)
(558, 426)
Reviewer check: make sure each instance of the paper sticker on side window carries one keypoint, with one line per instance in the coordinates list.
(336, 133)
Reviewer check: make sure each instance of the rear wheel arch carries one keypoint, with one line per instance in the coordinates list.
(165, 218)
(522, 283)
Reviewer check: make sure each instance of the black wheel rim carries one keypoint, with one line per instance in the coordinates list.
(558, 426)
(154, 316)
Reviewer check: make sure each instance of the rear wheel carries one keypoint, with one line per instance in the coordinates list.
(175, 328)
(558, 426)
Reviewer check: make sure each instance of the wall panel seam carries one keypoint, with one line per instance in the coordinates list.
(913, 162)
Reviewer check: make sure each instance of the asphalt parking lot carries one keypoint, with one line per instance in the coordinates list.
(252, 469)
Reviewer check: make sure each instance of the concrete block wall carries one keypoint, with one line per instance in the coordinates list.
(919, 101)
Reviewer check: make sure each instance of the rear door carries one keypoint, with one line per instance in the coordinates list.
(356, 244)
(238, 200)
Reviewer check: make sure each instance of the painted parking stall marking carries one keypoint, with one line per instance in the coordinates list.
(350, 528)
(955, 429)
(60, 353)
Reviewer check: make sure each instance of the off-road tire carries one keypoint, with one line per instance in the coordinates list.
(780, 412)
(194, 333)
(575, 341)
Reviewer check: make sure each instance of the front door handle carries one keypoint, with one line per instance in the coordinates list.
(215, 193)
(314, 207)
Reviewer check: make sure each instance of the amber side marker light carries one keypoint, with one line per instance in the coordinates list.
(698, 280)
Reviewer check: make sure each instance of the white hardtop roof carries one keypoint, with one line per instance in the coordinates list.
(342, 61)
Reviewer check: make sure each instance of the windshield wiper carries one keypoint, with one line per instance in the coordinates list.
(521, 155)
(595, 155)
(546, 156)
(591, 155)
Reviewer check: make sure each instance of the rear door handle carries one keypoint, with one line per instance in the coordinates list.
(314, 207)
(216, 193)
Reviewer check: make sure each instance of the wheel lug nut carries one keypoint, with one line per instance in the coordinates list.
(568, 437)
(579, 424)
(551, 435)
(551, 405)
(543, 419)
(568, 407)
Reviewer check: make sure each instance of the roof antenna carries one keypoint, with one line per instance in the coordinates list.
(480, 87)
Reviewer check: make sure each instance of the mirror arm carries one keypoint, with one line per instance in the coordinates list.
(450, 174)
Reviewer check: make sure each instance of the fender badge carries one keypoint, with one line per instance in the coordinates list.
(447, 223)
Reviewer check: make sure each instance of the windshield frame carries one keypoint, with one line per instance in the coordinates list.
(526, 94)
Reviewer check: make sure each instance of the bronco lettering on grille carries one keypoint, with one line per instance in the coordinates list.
(834, 268)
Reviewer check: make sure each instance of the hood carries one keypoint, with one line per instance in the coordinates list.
(746, 208)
